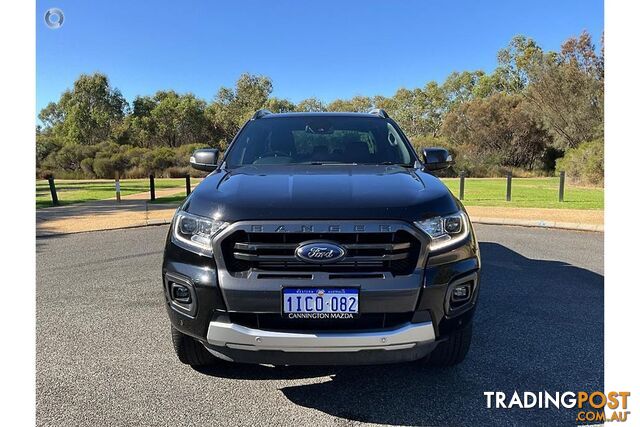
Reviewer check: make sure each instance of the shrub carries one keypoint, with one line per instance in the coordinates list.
(176, 172)
(104, 167)
(120, 162)
(45, 146)
(68, 158)
(548, 161)
(135, 155)
(584, 164)
(136, 172)
(160, 159)
(87, 167)
(45, 173)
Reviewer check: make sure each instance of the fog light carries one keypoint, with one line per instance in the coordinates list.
(461, 293)
(180, 293)
(453, 224)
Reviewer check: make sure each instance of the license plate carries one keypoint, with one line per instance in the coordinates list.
(320, 303)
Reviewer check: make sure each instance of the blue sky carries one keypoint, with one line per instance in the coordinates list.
(327, 49)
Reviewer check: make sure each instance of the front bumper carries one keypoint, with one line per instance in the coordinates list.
(238, 343)
(210, 318)
(243, 338)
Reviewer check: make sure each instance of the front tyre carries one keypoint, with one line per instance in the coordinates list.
(189, 350)
(452, 351)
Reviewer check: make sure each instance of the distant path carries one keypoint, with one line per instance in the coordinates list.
(132, 211)
(575, 219)
(135, 211)
(163, 192)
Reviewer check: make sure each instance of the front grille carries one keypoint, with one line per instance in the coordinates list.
(396, 252)
(275, 322)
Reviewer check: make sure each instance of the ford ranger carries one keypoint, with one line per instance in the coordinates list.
(321, 238)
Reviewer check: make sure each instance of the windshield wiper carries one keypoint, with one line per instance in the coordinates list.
(319, 163)
(406, 165)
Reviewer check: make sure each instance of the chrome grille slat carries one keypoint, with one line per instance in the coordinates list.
(262, 258)
(291, 258)
(352, 246)
(383, 246)
(259, 246)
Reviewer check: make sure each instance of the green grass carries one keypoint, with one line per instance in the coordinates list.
(78, 191)
(526, 193)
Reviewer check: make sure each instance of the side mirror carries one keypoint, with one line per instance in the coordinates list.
(205, 159)
(436, 158)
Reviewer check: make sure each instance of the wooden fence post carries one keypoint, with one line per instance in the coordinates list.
(118, 186)
(152, 187)
(509, 176)
(54, 193)
(561, 190)
(462, 185)
(188, 184)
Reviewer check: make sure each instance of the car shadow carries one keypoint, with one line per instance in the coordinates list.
(539, 327)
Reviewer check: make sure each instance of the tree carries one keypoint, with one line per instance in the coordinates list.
(357, 104)
(179, 119)
(567, 91)
(418, 111)
(232, 107)
(515, 62)
(458, 87)
(51, 115)
(435, 107)
(408, 109)
(168, 119)
(498, 130)
(86, 114)
(361, 104)
(310, 105)
(580, 52)
(277, 105)
(383, 102)
(490, 84)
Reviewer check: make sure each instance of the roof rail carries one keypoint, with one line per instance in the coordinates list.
(379, 112)
(261, 113)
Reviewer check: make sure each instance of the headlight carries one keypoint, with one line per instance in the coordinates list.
(445, 231)
(195, 233)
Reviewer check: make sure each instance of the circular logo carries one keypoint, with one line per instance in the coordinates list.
(54, 18)
(320, 252)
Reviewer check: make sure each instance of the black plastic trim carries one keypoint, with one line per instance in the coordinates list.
(188, 309)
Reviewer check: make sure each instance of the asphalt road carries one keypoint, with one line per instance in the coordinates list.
(104, 355)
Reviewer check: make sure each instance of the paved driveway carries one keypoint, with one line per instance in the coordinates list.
(104, 355)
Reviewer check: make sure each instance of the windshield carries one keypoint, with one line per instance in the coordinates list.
(319, 140)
